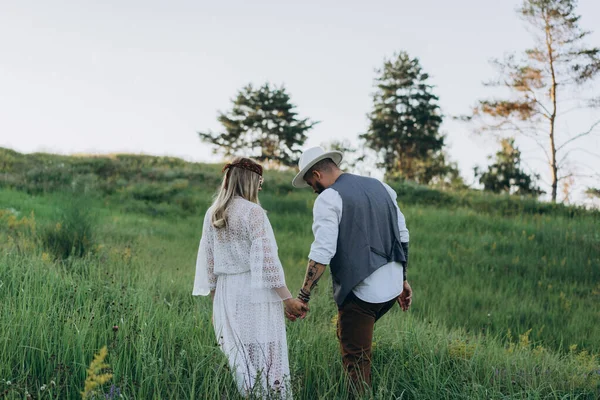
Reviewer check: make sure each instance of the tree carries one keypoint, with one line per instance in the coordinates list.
(506, 175)
(593, 192)
(354, 156)
(439, 171)
(539, 80)
(405, 122)
(261, 124)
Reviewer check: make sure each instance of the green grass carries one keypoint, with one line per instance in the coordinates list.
(500, 297)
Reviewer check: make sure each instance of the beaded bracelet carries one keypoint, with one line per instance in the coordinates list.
(304, 295)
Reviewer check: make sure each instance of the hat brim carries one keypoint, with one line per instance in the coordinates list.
(298, 180)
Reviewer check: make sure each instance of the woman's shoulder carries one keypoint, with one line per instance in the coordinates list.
(209, 211)
(208, 214)
(247, 204)
(249, 211)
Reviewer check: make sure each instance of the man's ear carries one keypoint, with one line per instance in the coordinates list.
(317, 175)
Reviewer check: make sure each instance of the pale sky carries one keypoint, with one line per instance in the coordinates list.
(145, 76)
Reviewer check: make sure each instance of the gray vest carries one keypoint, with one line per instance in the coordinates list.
(368, 234)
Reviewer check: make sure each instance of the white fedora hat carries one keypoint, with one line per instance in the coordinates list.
(309, 158)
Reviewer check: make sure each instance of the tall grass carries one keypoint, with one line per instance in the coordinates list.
(505, 305)
(54, 320)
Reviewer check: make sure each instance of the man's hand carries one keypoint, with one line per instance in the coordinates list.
(294, 308)
(289, 316)
(405, 298)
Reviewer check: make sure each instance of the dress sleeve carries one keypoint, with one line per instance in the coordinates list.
(265, 267)
(205, 279)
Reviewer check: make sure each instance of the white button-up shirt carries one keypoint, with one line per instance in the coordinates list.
(382, 285)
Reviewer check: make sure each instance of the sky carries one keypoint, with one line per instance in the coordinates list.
(145, 76)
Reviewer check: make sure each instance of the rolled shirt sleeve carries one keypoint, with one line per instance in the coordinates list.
(404, 237)
(327, 214)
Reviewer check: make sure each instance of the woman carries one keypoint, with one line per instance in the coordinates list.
(239, 266)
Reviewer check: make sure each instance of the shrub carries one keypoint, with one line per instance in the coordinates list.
(72, 235)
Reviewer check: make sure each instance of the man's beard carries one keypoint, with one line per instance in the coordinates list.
(320, 188)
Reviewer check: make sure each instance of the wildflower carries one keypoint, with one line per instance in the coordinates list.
(42, 388)
(115, 328)
(572, 348)
(95, 376)
(114, 392)
(8, 383)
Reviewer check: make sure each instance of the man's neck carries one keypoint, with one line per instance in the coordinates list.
(337, 173)
(333, 177)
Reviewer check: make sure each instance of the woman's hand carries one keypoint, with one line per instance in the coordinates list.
(294, 308)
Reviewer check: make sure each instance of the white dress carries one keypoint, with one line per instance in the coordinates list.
(240, 261)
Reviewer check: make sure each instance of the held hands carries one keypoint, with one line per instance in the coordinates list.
(405, 298)
(295, 308)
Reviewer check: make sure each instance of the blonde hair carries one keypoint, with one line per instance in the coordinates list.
(236, 182)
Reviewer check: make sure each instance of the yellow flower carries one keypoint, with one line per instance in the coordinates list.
(461, 349)
(524, 341)
(564, 302)
(334, 322)
(572, 348)
(126, 254)
(95, 377)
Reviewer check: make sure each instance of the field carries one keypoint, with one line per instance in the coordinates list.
(506, 302)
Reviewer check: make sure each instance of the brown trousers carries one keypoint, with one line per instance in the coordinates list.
(356, 320)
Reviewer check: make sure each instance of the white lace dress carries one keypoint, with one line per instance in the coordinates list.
(241, 263)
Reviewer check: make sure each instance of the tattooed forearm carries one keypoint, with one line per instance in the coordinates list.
(314, 271)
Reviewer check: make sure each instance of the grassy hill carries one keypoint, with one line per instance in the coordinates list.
(506, 289)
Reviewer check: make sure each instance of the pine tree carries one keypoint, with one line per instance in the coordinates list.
(506, 174)
(262, 124)
(405, 122)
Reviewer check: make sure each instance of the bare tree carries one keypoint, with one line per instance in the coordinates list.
(539, 82)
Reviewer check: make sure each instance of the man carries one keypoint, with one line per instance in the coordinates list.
(361, 234)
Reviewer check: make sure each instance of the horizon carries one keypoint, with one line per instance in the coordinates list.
(145, 77)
